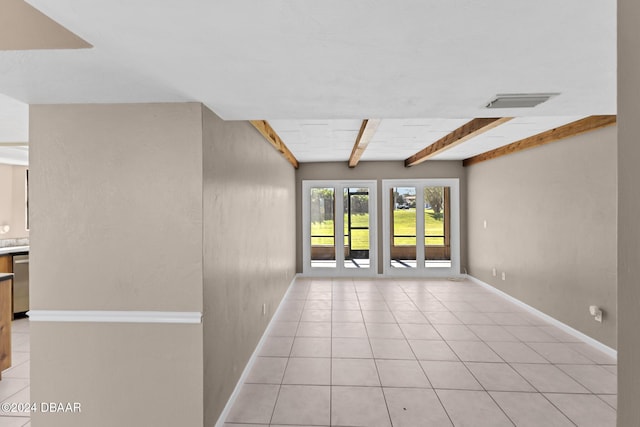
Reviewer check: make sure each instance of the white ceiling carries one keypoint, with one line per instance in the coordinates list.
(318, 140)
(14, 120)
(14, 128)
(397, 139)
(334, 60)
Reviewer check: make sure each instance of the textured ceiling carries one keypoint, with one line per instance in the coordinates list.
(397, 139)
(331, 60)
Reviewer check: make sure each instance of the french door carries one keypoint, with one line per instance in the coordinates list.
(421, 227)
(339, 228)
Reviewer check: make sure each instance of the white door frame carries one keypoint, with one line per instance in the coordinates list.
(454, 215)
(340, 270)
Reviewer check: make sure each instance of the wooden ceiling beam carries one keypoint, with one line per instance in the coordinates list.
(367, 130)
(465, 132)
(272, 137)
(572, 129)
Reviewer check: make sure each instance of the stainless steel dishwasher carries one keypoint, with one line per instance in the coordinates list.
(20, 283)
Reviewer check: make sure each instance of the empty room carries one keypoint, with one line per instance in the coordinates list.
(343, 214)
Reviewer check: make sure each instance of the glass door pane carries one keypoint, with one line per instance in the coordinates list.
(339, 228)
(323, 247)
(403, 227)
(437, 247)
(421, 225)
(356, 228)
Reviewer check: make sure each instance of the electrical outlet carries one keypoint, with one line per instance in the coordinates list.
(504, 276)
(264, 309)
(596, 312)
(598, 316)
(485, 224)
(494, 272)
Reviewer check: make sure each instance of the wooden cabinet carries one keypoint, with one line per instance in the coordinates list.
(6, 313)
(6, 264)
(5, 324)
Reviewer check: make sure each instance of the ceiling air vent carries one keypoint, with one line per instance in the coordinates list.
(519, 100)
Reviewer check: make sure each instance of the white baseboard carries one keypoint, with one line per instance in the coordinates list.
(566, 328)
(385, 276)
(252, 360)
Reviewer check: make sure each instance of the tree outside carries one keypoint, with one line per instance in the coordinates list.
(434, 196)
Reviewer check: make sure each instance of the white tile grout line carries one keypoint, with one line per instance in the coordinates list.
(373, 356)
(293, 343)
(252, 359)
(555, 322)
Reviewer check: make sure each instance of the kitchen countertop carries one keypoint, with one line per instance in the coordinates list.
(13, 249)
(6, 276)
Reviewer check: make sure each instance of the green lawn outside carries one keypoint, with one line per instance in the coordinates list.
(405, 223)
(360, 238)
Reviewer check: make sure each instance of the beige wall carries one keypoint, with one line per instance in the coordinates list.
(13, 200)
(249, 248)
(121, 374)
(6, 197)
(116, 204)
(380, 171)
(628, 212)
(116, 207)
(551, 227)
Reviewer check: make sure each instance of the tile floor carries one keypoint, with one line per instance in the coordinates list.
(420, 353)
(14, 386)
